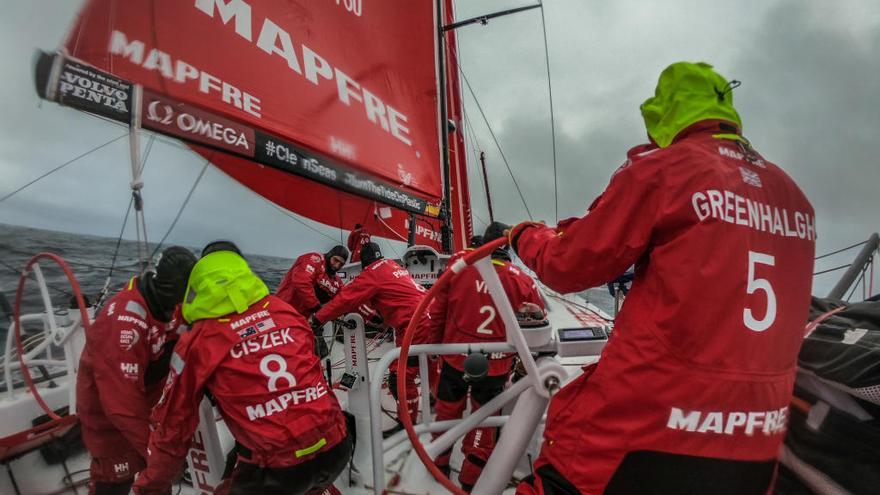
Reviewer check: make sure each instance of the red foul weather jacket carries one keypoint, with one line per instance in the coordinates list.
(268, 384)
(464, 313)
(384, 286)
(113, 390)
(356, 240)
(301, 283)
(702, 358)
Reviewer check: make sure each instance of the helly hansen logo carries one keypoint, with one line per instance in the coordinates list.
(121, 468)
(729, 423)
(749, 177)
(130, 370)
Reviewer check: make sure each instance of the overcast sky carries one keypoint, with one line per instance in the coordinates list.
(810, 101)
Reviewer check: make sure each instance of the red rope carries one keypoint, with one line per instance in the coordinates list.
(824, 316)
(402, 409)
(16, 318)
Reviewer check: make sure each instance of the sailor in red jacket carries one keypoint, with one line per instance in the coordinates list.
(311, 282)
(691, 393)
(122, 368)
(357, 239)
(253, 353)
(389, 289)
(465, 313)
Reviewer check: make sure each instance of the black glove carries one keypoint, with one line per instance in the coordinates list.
(316, 325)
(321, 349)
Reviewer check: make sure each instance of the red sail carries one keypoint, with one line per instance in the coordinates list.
(257, 77)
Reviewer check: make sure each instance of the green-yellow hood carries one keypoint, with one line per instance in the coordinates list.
(686, 94)
(221, 283)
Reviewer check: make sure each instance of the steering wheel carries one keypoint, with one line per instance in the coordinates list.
(80, 302)
(544, 384)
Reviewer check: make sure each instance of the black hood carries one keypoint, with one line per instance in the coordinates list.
(495, 230)
(337, 250)
(220, 245)
(370, 253)
(164, 289)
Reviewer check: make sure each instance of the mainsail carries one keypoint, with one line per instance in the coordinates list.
(317, 106)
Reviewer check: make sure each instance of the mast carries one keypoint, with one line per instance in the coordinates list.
(446, 211)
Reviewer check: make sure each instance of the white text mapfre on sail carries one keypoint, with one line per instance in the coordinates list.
(274, 40)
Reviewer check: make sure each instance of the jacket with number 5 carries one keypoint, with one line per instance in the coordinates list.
(702, 358)
(254, 353)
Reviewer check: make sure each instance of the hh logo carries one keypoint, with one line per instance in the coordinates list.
(129, 368)
(121, 468)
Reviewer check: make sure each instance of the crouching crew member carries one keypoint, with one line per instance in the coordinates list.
(464, 313)
(312, 282)
(692, 391)
(389, 289)
(254, 354)
(122, 370)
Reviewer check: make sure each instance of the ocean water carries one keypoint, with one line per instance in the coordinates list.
(90, 259)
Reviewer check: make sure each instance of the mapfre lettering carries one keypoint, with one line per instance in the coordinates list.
(249, 319)
(283, 401)
(275, 40)
(729, 423)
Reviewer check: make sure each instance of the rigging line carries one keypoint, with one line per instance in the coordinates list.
(841, 267)
(106, 289)
(287, 213)
(18, 271)
(497, 144)
(491, 132)
(59, 167)
(840, 250)
(382, 221)
(483, 180)
(552, 115)
(119, 239)
(856, 286)
(182, 207)
(149, 148)
(391, 246)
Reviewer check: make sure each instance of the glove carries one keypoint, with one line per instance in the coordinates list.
(316, 325)
(321, 349)
(514, 233)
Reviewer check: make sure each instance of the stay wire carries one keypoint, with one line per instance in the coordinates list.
(182, 207)
(143, 165)
(840, 250)
(59, 167)
(18, 271)
(498, 145)
(552, 115)
(495, 139)
(293, 217)
(855, 286)
(474, 149)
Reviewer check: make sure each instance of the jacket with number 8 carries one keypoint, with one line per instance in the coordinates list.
(254, 353)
